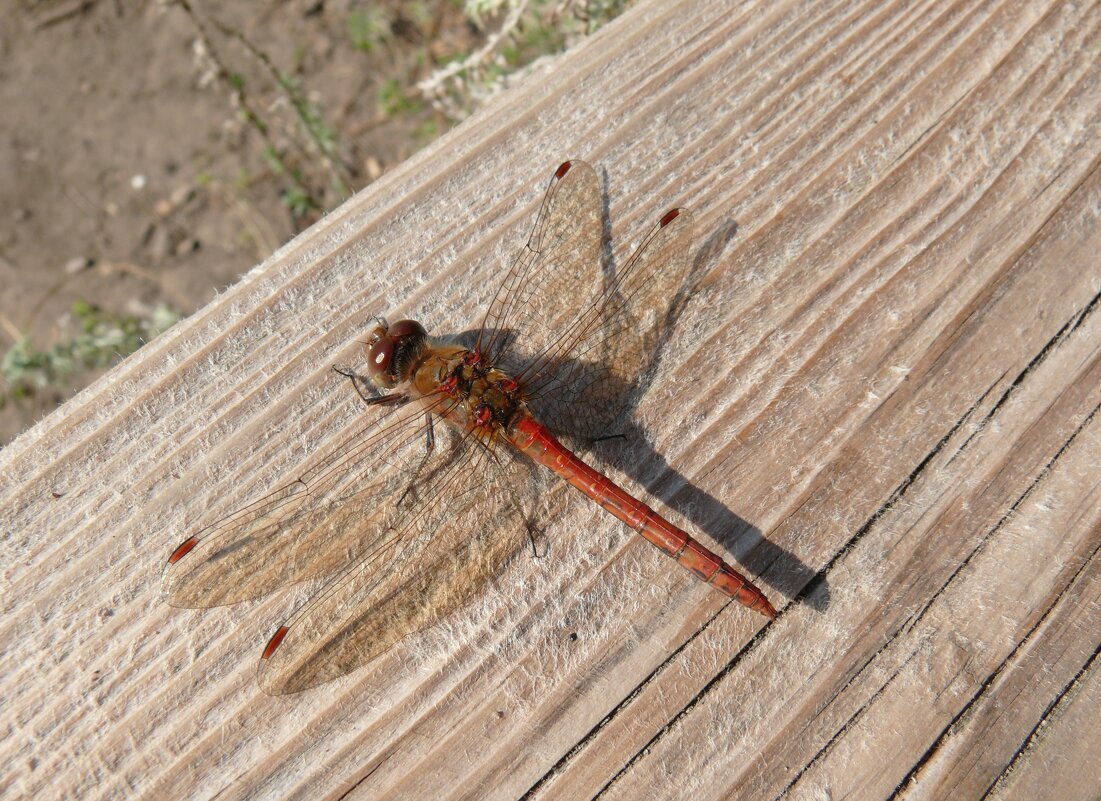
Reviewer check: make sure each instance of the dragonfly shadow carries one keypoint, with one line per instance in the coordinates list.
(624, 443)
(629, 450)
(776, 566)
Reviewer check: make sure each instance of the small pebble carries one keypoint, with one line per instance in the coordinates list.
(186, 246)
(374, 169)
(182, 194)
(77, 264)
(158, 243)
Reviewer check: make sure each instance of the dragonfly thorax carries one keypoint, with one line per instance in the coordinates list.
(483, 397)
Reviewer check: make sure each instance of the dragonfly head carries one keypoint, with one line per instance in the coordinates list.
(392, 351)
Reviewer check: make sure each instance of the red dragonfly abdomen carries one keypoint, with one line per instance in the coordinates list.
(537, 442)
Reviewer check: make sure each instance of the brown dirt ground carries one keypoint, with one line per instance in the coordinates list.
(130, 177)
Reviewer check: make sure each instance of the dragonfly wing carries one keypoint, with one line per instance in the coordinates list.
(559, 266)
(588, 375)
(311, 527)
(432, 561)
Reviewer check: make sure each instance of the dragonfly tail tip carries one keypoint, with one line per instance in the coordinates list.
(766, 609)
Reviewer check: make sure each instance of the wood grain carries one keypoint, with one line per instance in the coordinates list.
(883, 401)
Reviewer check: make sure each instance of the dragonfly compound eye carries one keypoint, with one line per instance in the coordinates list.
(393, 351)
(380, 356)
(407, 328)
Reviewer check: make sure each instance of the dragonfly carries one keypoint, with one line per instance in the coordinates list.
(418, 510)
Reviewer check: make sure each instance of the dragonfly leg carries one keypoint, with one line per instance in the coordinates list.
(534, 533)
(396, 399)
(429, 447)
(356, 379)
(605, 437)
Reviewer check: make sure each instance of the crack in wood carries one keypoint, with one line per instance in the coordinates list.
(921, 137)
(996, 673)
(745, 651)
(990, 680)
(815, 582)
(1069, 327)
(884, 508)
(912, 620)
(1033, 734)
(364, 777)
(821, 753)
(559, 766)
(981, 544)
(981, 425)
(820, 576)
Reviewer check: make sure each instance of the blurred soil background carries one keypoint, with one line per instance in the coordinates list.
(151, 151)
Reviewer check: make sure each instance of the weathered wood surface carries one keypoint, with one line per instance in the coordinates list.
(892, 374)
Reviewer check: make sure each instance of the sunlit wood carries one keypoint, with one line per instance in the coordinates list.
(882, 402)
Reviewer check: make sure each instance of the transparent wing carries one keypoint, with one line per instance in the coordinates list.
(539, 295)
(409, 522)
(410, 579)
(315, 525)
(586, 376)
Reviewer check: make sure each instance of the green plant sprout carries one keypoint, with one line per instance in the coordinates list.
(368, 28)
(103, 339)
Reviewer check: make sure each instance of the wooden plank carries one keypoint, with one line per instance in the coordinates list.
(883, 401)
